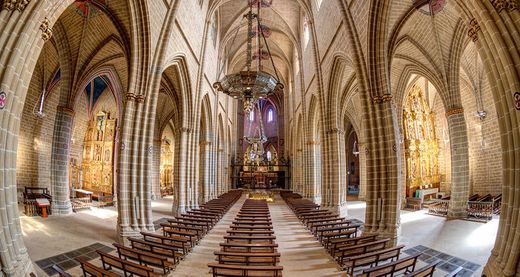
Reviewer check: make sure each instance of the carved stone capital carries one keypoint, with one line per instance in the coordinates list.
(379, 99)
(140, 98)
(454, 112)
(501, 5)
(66, 110)
(335, 131)
(474, 28)
(46, 29)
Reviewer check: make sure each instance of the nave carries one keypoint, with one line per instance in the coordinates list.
(301, 253)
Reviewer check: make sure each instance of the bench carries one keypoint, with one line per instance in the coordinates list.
(344, 252)
(129, 268)
(257, 222)
(426, 271)
(145, 258)
(174, 241)
(191, 236)
(371, 258)
(251, 233)
(156, 248)
(241, 270)
(344, 242)
(199, 231)
(407, 264)
(251, 227)
(250, 239)
(92, 270)
(247, 258)
(248, 247)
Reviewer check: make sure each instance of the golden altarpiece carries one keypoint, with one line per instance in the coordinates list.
(98, 155)
(421, 145)
(166, 168)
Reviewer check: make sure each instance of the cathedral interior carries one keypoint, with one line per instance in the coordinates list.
(260, 138)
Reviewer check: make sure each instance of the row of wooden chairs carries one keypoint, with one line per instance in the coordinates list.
(157, 254)
(249, 248)
(363, 255)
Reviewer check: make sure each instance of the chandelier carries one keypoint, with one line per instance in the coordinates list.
(252, 85)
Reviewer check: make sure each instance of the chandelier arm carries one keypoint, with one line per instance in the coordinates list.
(258, 31)
(229, 52)
(262, 134)
(269, 51)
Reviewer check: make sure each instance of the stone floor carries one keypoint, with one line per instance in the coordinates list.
(301, 254)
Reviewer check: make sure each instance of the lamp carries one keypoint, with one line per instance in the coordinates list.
(355, 149)
(250, 86)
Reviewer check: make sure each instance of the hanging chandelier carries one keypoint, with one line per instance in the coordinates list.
(252, 85)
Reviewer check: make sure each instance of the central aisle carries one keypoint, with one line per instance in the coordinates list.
(301, 253)
(196, 262)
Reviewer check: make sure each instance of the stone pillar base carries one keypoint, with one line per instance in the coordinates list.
(124, 232)
(340, 209)
(63, 208)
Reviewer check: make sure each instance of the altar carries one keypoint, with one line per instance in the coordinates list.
(421, 193)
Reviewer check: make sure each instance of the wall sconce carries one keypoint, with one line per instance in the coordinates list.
(481, 114)
(355, 149)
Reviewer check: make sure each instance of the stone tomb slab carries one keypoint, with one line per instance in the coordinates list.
(68, 260)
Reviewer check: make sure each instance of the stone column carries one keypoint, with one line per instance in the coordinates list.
(459, 164)
(333, 177)
(60, 162)
(362, 172)
(180, 168)
(312, 179)
(156, 170)
(205, 163)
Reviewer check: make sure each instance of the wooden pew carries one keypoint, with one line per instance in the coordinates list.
(191, 236)
(371, 258)
(240, 270)
(426, 271)
(145, 258)
(247, 258)
(248, 247)
(127, 267)
(257, 222)
(199, 231)
(156, 248)
(92, 270)
(390, 269)
(178, 242)
(251, 227)
(335, 244)
(250, 233)
(250, 239)
(189, 223)
(358, 249)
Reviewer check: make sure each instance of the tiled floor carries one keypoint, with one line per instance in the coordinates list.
(302, 255)
(69, 259)
(447, 262)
